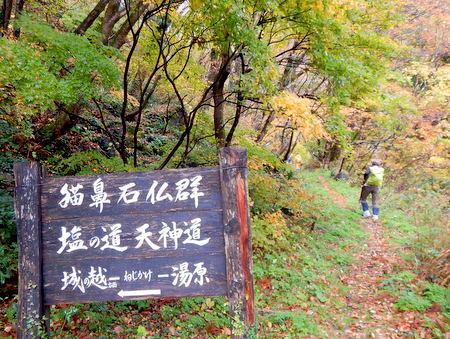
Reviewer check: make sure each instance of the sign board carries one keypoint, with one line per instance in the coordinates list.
(173, 233)
(130, 235)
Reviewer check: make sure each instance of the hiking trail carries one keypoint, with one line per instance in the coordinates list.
(372, 309)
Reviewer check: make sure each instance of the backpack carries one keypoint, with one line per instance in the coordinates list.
(375, 176)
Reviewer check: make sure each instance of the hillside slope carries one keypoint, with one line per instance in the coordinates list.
(336, 276)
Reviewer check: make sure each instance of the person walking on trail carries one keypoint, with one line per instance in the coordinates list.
(373, 179)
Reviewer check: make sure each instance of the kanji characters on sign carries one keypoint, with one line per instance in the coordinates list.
(184, 189)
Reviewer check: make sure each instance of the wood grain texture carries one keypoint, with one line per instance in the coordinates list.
(57, 293)
(28, 221)
(93, 231)
(131, 254)
(236, 219)
(209, 186)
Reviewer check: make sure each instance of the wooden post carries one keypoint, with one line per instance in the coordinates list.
(28, 220)
(238, 249)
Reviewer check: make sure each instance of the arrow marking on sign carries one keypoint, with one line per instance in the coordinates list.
(138, 293)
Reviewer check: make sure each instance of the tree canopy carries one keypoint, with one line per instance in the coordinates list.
(99, 86)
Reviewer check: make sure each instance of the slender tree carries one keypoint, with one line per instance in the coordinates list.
(91, 17)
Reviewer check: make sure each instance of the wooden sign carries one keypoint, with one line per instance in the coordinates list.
(157, 234)
(133, 235)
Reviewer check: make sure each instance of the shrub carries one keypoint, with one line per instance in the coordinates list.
(410, 301)
(437, 294)
(8, 246)
(91, 162)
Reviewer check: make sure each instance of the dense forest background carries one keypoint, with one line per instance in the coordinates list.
(308, 87)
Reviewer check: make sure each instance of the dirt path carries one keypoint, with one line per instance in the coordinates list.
(338, 198)
(373, 310)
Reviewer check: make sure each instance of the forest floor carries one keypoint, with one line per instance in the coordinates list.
(368, 301)
(341, 279)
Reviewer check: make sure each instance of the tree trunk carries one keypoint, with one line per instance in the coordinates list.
(341, 167)
(265, 127)
(112, 15)
(62, 125)
(335, 152)
(121, 35)
(290, 147)
(19, 8)
(174, 149)
(284, 144)
(219, 100)
(289, 68)
(92, 16)
(237, 116)
(239, 101)
(6, 15)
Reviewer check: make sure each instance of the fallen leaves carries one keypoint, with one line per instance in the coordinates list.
(264, 284)
(371, 308)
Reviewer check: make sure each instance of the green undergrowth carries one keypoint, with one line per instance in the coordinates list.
(298, 285)
(415, 294)
(413, 223)
(183, 318)
(416, 223)
(303, 244)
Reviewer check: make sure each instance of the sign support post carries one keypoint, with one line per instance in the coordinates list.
(28, 217)
(236, 219)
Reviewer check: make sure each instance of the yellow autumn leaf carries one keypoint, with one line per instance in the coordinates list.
(131, 99)
(298, 110)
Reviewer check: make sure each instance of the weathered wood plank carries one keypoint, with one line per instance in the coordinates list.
(236, 219)
(198, 232)
(61, 197)
(93, 280)
(28, 220)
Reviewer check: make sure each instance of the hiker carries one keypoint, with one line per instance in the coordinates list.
(373, 179)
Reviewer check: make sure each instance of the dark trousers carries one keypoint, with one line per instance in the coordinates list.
(374, 190)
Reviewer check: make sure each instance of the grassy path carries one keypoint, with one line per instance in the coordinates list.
(338, 198)
(373, 308)
(367, 300)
